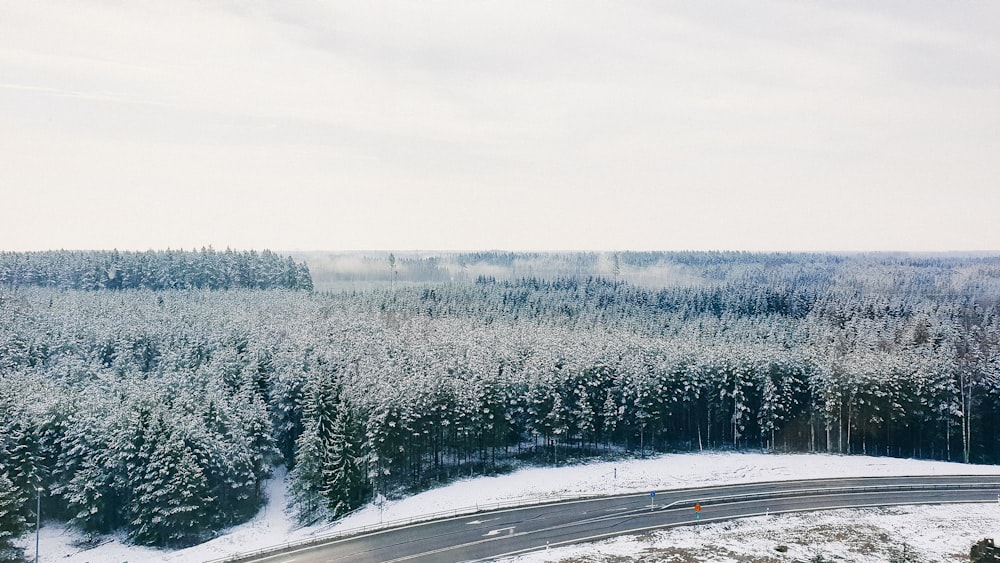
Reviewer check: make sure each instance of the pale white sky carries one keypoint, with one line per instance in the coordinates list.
(301, 124)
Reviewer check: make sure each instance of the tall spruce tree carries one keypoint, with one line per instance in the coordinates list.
(330, 473)
(12, 520)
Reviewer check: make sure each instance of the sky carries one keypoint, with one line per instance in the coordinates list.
(316, 125)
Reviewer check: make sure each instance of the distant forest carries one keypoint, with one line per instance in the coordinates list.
(159, 409)
(169, 269)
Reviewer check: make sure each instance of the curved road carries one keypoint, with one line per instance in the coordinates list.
(487, 535)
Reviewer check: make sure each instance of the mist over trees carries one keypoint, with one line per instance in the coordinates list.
(159, 412)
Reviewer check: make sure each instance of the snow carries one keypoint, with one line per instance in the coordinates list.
(954, 527)
(872, 535)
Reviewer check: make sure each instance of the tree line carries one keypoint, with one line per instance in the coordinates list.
(155, 270)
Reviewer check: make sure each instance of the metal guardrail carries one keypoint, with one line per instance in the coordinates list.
(835, 490)
(539, 500)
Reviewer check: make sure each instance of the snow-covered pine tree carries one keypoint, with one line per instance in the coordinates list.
(12, 520)
(330, 475)
(170, 497)
(344, 480)
(306, 476)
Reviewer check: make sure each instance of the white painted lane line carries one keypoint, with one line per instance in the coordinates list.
(481, 521)
(509, 530)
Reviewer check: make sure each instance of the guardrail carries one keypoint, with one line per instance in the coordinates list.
(835, 490)
(539, 500)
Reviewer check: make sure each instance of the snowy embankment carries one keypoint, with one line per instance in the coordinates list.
(927, 534)
(274, 526)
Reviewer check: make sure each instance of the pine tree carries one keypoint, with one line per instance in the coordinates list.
(12, 521)
(306, 477)
(169, 492)
(344, 483)
(329, 477)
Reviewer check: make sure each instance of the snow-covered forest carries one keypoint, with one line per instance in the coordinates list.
(167, 269)
(159, 412)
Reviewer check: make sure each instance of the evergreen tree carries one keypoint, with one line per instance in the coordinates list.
(306, 478)
(330, 473)
(12, 521)
(345, 485)
(170, 496)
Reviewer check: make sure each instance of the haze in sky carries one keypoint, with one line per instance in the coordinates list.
(300, 124)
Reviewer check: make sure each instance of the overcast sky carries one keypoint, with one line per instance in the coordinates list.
(297, 125)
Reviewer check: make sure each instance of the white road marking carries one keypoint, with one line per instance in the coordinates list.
(481, 521)
(509, 530)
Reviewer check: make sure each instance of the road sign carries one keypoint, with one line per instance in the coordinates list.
(651, 495)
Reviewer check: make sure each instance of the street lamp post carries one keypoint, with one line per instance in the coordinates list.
(38, 520)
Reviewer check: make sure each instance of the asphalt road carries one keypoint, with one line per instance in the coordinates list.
(488, 535)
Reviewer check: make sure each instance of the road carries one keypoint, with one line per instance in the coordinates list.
(488, 535)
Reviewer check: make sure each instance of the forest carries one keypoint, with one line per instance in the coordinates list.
(169, 269)
(158, 409)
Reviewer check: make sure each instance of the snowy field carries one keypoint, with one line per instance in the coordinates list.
(928, 533)
(936, 533)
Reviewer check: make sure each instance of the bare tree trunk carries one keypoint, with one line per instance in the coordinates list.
(947, 438)
(840, 428)
(850, 410)
(812, 434)
(965, 388)
(967, 436)
(829, 446)
(708, 427)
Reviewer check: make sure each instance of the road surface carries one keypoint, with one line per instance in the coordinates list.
(488, 535)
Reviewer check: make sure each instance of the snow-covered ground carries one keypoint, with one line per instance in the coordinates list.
(937, 531)
(928, 533)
